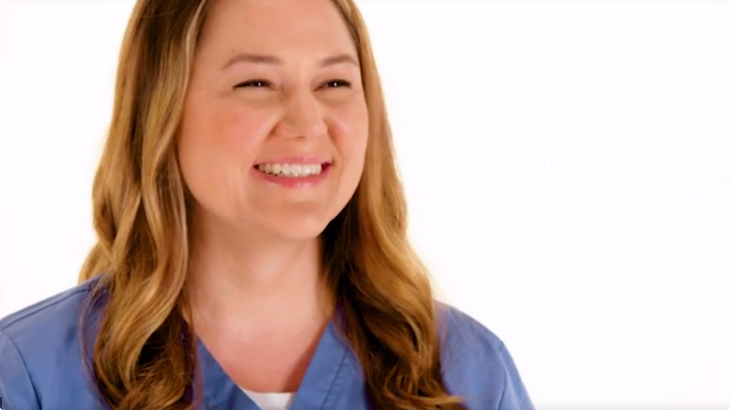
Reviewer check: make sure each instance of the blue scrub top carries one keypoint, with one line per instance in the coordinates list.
(40, 366)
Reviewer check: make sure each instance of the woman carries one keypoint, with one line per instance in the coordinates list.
(252, 246)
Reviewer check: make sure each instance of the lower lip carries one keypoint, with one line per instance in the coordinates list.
(294, 182)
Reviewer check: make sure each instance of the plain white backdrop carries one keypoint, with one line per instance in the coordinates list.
(567, 165)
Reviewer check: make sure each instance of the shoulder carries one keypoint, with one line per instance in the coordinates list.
(46, 319)
(460, 329)
(467, 345)
(40, 351)
(476, 364)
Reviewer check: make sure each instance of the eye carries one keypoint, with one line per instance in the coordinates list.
(253, 84)
(337, 84)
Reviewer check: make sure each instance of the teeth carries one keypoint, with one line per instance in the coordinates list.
(290, 170)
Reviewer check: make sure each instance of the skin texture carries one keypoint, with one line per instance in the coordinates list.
(255, 268)
(226, 128)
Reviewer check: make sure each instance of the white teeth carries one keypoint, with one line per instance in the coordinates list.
(290, 170)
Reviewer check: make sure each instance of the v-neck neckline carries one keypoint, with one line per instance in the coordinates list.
(317, 389)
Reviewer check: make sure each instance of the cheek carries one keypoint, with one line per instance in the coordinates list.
(350, 134)
(223, 134)
(218, 143)
(240, 132)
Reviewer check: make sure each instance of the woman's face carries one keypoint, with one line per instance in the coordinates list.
(275, 124)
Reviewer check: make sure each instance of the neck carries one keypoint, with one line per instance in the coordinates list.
(248, 285)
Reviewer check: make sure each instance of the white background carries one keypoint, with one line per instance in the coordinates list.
(567, 165)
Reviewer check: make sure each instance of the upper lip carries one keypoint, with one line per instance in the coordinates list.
(296, 159)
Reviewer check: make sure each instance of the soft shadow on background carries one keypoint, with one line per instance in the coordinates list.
(567, 165)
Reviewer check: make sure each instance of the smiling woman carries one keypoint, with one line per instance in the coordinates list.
(252, 249)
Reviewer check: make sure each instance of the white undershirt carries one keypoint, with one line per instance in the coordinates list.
(270, 401)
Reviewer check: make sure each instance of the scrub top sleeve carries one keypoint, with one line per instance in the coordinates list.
(16, 388)
(514, 395)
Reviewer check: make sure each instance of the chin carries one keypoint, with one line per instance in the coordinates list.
(299, 229)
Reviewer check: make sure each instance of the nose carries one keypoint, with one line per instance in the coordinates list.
(302, 117)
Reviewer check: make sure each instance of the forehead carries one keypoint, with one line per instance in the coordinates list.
(276, 26)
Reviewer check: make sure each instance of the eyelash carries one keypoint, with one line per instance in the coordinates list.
(253, 84)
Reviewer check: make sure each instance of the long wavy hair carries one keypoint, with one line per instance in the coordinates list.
(143, 354)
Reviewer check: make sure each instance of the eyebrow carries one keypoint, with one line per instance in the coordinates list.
(273, 60)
